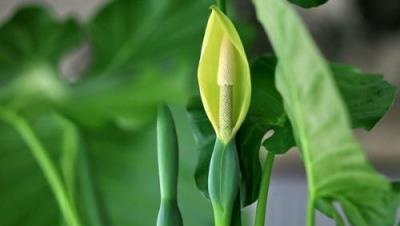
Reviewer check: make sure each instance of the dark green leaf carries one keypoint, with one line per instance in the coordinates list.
(337, 169)
(265, 113)
(282, 139)
(367, 96)
(308, 3)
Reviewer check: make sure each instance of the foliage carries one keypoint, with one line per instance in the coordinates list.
(319, 118)
(108, 105)
(361, 93)
(99, 131)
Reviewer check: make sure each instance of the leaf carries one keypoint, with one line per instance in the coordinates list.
(26, 197)
(32, 43)
(122, 159)
(34, 35)
(137, 46)
(128, 36)
(337, 168)
(120, 98)
(118, 158)
(266, 113)
(308, 3)
(365, 110)
(222, 43)
(125, 100)
(367, 97)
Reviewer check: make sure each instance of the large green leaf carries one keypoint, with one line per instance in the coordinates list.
(26, 197)
(33, 35)
(368, 97)
(123, 35)
(122, 170)
(143, 54)
(32, 43)
(129, 35)
(337, 169)
(122, 162)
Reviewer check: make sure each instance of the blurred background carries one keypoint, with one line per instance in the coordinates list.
(363, 33)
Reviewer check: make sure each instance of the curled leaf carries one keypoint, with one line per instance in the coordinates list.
(224, 76)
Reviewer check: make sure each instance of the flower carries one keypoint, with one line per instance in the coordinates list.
(224, 76)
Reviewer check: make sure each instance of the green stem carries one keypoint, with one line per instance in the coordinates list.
(69, 149)
(310, 211)
(45, 163)
(264, 188)
(222, 5)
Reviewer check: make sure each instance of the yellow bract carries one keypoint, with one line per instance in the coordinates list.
(223, 63)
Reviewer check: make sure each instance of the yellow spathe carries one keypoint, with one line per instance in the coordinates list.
(219, 31)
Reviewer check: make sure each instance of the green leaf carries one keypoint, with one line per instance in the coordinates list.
(128, 36)
(362, 92)
(32, 43)
(337, 168)
(125, 100)
(32, 34)
(117, 158)
(367, 97)
(308, 3)
(137, 46)
(24, 188)
(266, 112)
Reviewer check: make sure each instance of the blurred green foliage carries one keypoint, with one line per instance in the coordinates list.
(143, 53)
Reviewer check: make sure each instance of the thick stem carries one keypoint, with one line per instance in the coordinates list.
(168, 166)
(223, 181)
(77, 170)
(222, 5)
(69, 155)
(264, 188)
(45, 163)
(310, 211)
